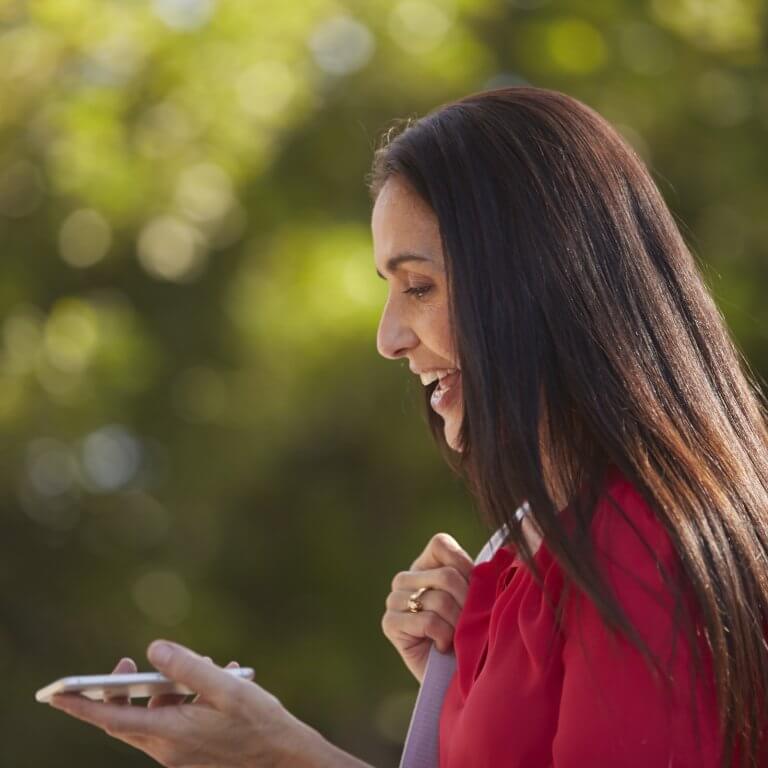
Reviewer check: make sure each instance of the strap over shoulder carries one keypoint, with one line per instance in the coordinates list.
(422, 740)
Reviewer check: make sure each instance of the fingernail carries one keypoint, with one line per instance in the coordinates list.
(159, 652)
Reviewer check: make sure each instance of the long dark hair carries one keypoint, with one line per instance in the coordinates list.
(576, 304)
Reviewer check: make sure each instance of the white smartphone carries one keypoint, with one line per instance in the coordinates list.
(136, 685)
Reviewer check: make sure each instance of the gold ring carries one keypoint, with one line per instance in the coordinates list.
(414, 604)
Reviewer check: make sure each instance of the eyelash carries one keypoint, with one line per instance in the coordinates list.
(419, 291)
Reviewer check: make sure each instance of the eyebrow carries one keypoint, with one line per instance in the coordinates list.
(395, 261)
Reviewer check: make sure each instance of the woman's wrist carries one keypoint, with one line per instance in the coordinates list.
(308, 748)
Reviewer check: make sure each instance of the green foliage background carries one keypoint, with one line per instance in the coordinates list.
(199, 439)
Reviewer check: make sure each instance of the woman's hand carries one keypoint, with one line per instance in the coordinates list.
(127, 666)
(232, 723)
(444, 567)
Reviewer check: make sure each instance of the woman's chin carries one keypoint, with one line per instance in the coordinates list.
(451, 433)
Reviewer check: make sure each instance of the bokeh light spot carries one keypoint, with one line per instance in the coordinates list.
(204, 192)
(170, 248)
(84, 238)
(419, 25)
(71, 335)
(51, 467)
(576, 46)
(162, 596)
(341, 45)
(164, 128)
(111, 457)
(184, 14)
(265, 88)
(721, 25)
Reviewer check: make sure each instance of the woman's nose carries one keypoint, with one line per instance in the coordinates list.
(394, 337)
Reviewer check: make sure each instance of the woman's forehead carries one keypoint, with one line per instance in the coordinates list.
(403, 223)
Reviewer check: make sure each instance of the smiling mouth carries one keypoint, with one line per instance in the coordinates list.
(442, 394)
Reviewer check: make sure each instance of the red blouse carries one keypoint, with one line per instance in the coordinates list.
(528, 695)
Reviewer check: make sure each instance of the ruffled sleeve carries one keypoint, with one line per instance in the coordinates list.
(487, 579)
(612, 711)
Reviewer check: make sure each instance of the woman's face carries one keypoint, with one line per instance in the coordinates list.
(415, 322)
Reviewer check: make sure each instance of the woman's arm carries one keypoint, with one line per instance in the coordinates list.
(240, 725)
(311, 750)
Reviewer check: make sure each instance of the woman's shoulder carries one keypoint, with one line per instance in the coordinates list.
(628, 540)
(624, 524)
(607, 676)
(626, 527)
(631, 549)
(638, 561)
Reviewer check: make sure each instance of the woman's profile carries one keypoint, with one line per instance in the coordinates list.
(575, 366)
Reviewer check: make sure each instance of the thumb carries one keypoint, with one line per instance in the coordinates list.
(185, 666)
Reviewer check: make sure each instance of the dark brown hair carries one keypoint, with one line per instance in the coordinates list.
(574, 297)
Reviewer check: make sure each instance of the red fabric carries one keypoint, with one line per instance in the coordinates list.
(529, 695)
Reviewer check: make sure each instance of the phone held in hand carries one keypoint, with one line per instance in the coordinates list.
(135, 685)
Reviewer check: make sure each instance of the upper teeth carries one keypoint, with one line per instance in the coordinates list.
(428, 378)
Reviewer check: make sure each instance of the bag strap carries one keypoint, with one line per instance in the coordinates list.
(422, 740)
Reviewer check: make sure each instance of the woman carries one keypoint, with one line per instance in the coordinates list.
(572, 358)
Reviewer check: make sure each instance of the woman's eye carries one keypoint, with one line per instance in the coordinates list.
(419, 291)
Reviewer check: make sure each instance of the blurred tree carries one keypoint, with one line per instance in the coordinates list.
(200, 439)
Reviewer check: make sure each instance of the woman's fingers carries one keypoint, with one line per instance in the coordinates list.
(445, 569)
(201, 699)
(243, 723)
(166, 699)
(446, 579)
(442, 549)
(126, 665)
(435, 600)
(402, 628)
(436, 621)
(189, 668)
